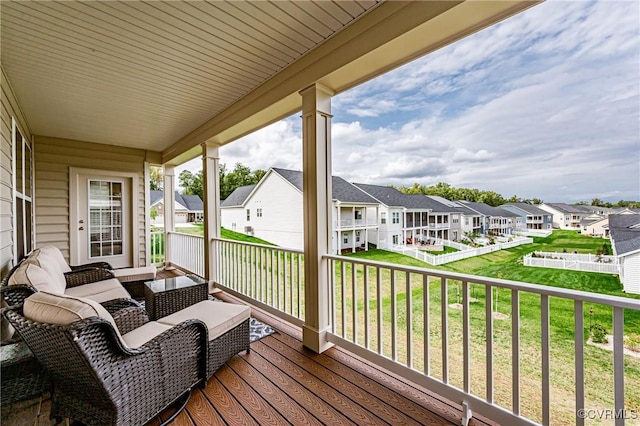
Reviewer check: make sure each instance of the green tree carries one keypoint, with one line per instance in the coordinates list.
(191, 183)
(155, 178)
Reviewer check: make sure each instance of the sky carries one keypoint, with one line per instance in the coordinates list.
(545, 104)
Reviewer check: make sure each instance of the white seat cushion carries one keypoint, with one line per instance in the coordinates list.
(30, 273)
(100, 291)
(219, 317)
(141, 335)
(145, 273)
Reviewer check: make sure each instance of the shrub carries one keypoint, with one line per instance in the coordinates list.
(598, 334)
(632, 341)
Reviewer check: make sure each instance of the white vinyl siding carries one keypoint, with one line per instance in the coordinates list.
(53, 157)
(630, 273)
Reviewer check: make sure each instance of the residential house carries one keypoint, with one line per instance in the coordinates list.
(625, 241)
(529, 216)
(565, 216)
(187, 208)
(272, 210)
(463, 219)
(93, 93)
(595, 225)
(494, 220)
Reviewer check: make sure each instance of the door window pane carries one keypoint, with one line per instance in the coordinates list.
(105, 218)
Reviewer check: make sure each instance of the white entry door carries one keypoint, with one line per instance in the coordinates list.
(102, 207)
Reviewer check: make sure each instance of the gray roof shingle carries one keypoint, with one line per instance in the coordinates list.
(189, 202)
(486, 209)
(529, 208)
(568, 208)
(342, 190)
(625, 232)
(238, 196)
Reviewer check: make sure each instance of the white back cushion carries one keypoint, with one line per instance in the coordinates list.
(61, 309)
(30, 273)
(54, 254)
(50, 262)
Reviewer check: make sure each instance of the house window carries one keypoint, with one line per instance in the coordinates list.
(358, 215)
(466, 221)
(395, 239)
(259, 213)
(357, 236)
(233, 226)
(455, 220)
(345, 238)
(395, 217)
(383, 218)
(248, 215)
(22, 195)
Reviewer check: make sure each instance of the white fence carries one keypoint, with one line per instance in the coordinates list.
(441, 259)
(533, 232)
(572, 262)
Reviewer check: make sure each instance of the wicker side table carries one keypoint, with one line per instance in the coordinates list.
(167, 296)
(22, 375)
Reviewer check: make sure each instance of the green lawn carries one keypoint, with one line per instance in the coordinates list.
(502, 264)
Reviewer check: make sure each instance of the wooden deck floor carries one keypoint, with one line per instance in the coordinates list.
(280, 382)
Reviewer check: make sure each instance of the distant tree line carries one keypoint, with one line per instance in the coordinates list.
(449, 192)
(240, 176)
(622, 203)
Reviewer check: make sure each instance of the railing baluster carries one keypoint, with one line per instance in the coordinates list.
(444, 312)
(271, 281)
(343, 297)
(515, 351)
(354, 303)
(394, 324)
(579, 360)
(365, 274)
(489, 340)
(278, 278)
(409, 321)
(546, 341)
(291, 255)
(379, 306)
(466, 347)
(299, 277)
(618, 365)
(332, 287)
(427, 324)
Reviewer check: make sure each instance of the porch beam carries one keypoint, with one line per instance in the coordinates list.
(169, 171)
(316, 194)
(211, 187)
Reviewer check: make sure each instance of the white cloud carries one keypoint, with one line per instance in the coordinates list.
(545, 104)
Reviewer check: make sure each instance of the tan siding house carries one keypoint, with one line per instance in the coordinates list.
(53, 158)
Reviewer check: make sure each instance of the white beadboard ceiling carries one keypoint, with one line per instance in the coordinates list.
(148, 74)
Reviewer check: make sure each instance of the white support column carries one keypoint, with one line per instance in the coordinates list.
(211, 183)
(338, 223)
(316, 172)
(169, 209)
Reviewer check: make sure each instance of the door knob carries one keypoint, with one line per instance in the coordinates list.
(81, 228)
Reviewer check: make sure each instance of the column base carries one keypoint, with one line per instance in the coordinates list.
(316, 340)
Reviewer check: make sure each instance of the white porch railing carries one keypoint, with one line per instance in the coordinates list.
(351, 223)
(471, 352)
(186, 252)
(156, 251)
(574, 264)
(267, 276)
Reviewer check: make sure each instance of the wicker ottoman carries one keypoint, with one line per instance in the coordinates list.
(227, 325)
(22, 376)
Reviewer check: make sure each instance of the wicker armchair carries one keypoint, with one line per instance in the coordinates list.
(100, 380)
